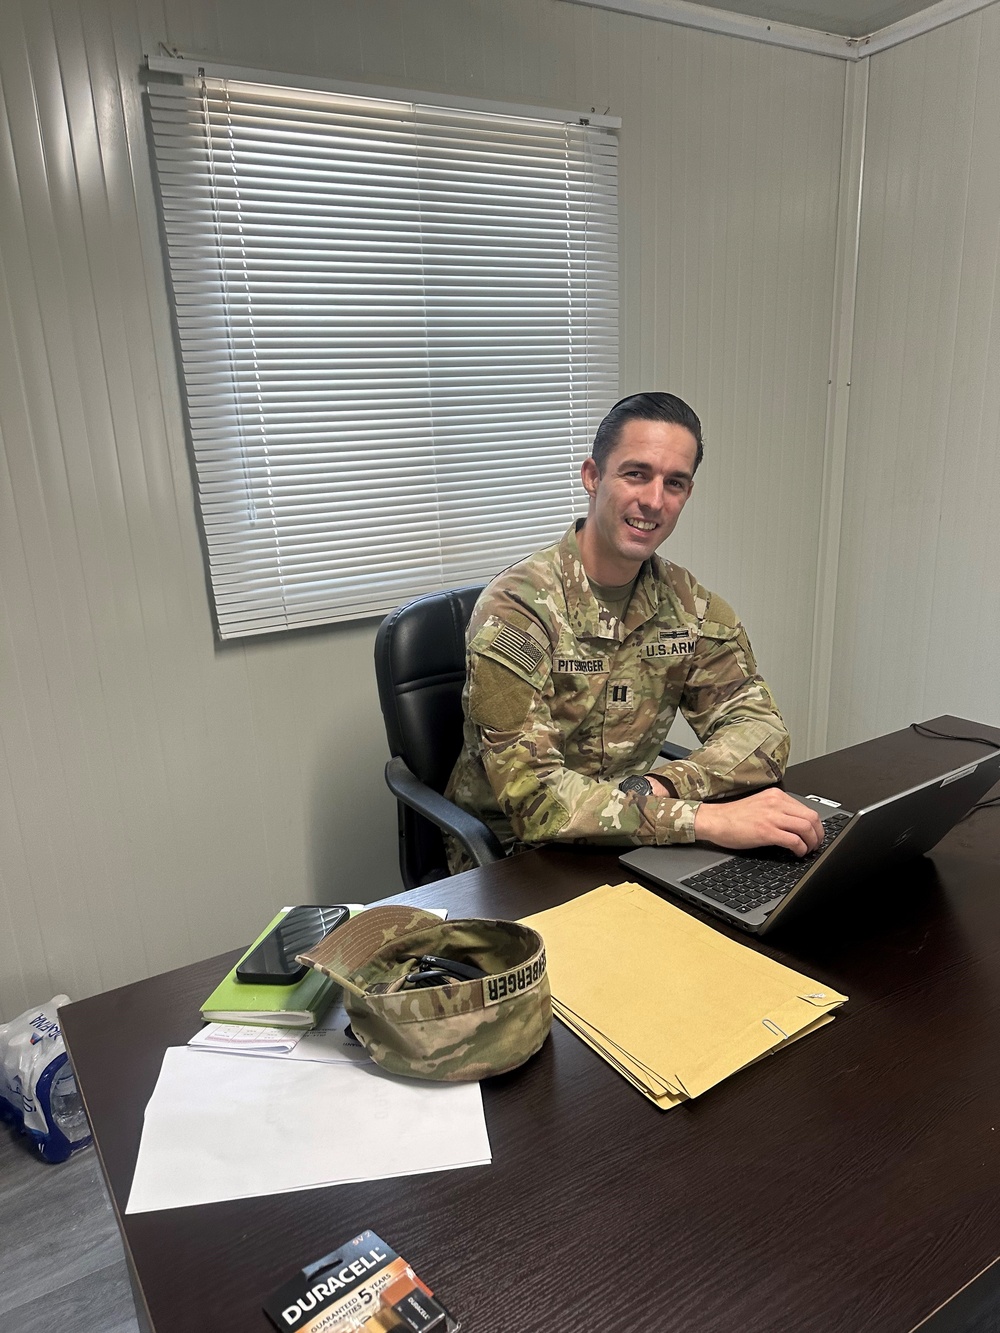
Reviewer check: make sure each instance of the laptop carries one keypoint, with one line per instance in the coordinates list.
(757, 889)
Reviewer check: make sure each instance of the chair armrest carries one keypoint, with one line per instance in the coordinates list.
(671, 751)
(480, 842)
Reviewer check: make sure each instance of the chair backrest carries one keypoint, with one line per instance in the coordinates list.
(420, 670)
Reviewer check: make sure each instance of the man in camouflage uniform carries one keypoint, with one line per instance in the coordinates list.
(580, 656)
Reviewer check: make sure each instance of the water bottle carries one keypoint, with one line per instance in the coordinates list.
(66, 1107)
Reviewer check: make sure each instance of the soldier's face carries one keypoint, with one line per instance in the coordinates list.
(636, 502)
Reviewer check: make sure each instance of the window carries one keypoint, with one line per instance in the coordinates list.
(398, 331)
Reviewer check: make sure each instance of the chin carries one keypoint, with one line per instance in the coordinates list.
(641, 549)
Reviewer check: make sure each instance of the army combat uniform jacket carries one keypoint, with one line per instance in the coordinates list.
(562, 701)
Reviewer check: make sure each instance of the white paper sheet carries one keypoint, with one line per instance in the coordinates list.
(240, 1039)
(219, 1128)
(328, 1041)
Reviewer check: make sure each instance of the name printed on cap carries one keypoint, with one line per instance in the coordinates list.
(505, 985)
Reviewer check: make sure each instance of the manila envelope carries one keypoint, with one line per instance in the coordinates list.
(680, 1006)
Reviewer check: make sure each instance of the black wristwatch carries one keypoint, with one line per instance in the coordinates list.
(637, 783)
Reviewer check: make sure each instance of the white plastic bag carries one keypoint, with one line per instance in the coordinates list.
(37, 1088)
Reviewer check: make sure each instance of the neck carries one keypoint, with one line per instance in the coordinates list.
(601, 567)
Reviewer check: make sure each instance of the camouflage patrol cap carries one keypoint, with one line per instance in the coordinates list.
(461, 1031)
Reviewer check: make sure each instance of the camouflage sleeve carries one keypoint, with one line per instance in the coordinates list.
(744, 742)
(521, 750)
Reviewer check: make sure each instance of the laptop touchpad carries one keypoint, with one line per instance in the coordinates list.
(677, 861)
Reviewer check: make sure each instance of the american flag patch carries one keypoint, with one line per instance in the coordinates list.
(517, 648)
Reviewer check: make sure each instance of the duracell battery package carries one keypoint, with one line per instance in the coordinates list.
(364, 1287)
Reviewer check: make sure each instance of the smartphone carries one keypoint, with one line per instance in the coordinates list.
(272, 961)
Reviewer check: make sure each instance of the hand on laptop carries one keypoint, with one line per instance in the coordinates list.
(768, 818)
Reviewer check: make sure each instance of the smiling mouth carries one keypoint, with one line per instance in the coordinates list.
(641, 525)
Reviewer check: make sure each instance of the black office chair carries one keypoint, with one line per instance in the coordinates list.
(420, 669)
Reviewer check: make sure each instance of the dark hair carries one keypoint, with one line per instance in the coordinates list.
(644, 407)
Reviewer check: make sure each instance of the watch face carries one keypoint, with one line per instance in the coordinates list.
(640, 785)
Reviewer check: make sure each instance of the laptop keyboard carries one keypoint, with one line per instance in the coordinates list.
(761, 874)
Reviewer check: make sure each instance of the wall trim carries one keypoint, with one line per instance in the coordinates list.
(845, 279)
(183, 63)
(934, 16)
(686, 14)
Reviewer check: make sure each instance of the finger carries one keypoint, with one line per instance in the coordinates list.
(783, 837)
(786, 806)
(800, 808)
(810, 834)
(815, 820)
(802, 822)
(807, 823)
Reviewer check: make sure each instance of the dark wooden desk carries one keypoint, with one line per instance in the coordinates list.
(850, 1183)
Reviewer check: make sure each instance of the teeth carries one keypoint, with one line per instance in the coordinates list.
(641, 524)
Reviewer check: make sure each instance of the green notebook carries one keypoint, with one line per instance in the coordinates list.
(299, 1005)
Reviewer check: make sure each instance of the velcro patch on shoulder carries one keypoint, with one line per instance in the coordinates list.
(721, 612)
(514, 646)
(520, 621)
(498, 699)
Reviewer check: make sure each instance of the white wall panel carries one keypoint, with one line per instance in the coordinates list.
(918, 610)
(729, 268)
(160, 795)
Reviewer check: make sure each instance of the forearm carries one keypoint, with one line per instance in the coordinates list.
(741, 754)
(547, 802)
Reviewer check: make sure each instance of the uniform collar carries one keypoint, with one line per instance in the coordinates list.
(585, 612)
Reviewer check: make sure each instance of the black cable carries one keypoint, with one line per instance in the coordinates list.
(980, 805)
(921, 730)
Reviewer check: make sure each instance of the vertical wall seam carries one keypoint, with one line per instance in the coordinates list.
(838, 401)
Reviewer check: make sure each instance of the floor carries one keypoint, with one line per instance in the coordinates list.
(62, 1265)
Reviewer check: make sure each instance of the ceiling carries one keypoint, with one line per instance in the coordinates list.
(847, 29)
(849, 18)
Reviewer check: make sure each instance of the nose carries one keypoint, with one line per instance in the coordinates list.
(652, 494)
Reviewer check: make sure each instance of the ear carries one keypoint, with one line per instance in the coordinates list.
(590, 476)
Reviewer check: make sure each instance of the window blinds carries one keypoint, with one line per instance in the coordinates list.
(398, 331)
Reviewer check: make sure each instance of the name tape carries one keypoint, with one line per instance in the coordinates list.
(581, 666)
(506, 985)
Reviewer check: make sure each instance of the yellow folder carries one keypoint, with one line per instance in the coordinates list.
(672, 1004)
